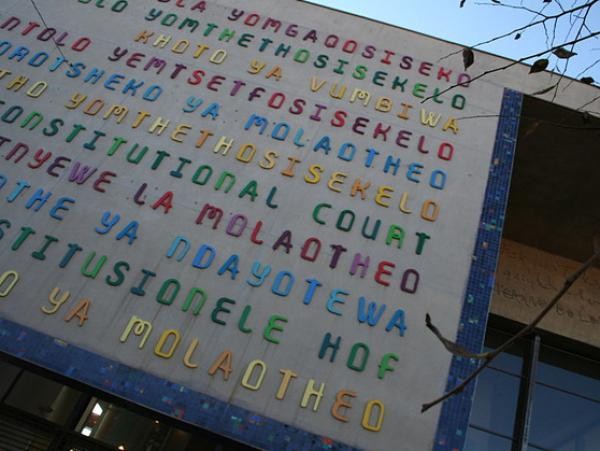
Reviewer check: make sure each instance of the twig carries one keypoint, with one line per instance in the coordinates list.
(521, 7)
(46, 25)
(562, 75)
(488, 357)
(512, 63)
(452, 347)
(588, 103)
(581, 73)
(543, 121)
(547, 35)
(524, 27)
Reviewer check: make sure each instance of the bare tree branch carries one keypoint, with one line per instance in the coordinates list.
(39, 13)
(562, 75)
(554, 33)
(519, 7)
(525, 27)
(543, 121)
(451, 346)
(588, 103)
(590, 31)
(559, 5)
(511, 64)
(488, 357)
(549, 43)
(581, 73)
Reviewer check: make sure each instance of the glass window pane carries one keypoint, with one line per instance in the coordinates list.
(125, 430)
(8, 373)
(564, 422)
(178, 440)
(508, 362)
(495, 401)
(530, 447)
(121, 428)
(568, 372)
(478, 440)
(44, 398)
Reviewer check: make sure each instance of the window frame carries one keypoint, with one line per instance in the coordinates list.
(530, 350)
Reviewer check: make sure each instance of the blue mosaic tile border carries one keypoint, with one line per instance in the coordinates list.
(454, 418)
(158, 394)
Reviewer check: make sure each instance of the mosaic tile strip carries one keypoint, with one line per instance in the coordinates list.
(158, 394)
(454, 418)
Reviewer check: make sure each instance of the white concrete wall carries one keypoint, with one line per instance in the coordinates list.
(527, 279)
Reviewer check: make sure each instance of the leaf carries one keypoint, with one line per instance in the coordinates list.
(518, 36)
(563, 53)
(544, 91)
(468, 57)
(539, 66)
(587, 80)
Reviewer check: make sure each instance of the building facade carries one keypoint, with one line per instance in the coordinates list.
(224, 224)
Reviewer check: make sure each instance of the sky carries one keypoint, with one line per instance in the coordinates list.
(477, 22)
